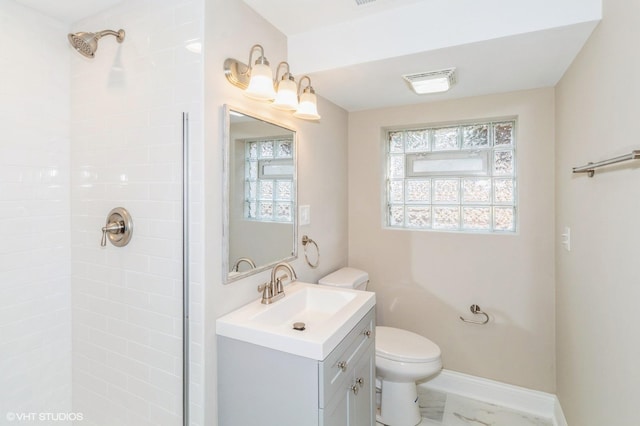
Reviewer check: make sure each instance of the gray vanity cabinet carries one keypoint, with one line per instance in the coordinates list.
(353, 405)
(266, 387)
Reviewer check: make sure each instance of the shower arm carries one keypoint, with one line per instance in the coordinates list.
(119, 35)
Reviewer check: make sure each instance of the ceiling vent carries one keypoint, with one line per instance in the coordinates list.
(361, 2)
(431, 81)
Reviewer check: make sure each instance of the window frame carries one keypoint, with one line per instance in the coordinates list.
(491, 151)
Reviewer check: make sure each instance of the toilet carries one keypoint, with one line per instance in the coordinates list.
(402, 359)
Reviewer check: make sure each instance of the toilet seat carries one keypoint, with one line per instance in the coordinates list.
(404, 346)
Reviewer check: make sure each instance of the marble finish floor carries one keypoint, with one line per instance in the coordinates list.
(442, 409)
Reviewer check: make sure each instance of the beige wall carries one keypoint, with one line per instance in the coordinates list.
(598, 288)
(425, 280)
(231, 29)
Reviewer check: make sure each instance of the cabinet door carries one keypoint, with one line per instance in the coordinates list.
(361, 403)
(337, 413)
(354, 404)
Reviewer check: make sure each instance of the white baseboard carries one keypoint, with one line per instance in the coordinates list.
(558, 415)
(538, 403)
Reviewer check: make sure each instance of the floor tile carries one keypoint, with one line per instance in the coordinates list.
(461, 411)
(441, 409)
(432, 403)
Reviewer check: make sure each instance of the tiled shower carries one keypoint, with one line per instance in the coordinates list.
(35, 261)
(85, 329)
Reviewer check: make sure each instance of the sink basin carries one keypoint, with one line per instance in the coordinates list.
(309, 304)
(328, 314)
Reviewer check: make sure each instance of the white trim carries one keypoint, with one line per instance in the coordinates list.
(558, 415)
(538, 403)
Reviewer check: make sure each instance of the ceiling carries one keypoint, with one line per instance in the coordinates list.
(519, 62)
(299, 16)
(356, 54)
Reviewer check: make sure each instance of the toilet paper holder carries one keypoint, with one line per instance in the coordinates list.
(476, 310)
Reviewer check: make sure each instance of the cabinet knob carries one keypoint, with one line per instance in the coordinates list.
(342, 365)
(360, 381)
(367, 333)
(355, 389)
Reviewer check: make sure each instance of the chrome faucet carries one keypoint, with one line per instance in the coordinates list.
(274, 290)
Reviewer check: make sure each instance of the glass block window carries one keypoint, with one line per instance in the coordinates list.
(269, 180)
(456, 178)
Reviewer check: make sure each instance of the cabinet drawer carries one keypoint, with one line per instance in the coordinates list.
(337, 368)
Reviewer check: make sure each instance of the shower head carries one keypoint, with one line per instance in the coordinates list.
(87, 43)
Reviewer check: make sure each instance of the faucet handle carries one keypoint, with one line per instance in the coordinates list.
(266, 289)
(280, 278)
(278, 284)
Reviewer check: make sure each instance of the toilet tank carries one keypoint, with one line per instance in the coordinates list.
(346, 278)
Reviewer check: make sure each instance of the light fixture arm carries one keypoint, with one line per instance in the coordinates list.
(260, 60)
(306, 89)
(287, 73)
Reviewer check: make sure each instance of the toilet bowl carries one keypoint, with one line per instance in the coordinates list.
(402, 358)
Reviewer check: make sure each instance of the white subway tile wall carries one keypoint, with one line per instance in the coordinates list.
(35, 315)
(126, 151)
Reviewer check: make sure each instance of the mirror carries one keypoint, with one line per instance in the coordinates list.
(260, 224)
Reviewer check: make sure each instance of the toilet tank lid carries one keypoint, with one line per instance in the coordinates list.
(345, 277)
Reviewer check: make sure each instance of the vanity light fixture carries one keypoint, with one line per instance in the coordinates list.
(308, 106)
(432, 81)
(257, 83)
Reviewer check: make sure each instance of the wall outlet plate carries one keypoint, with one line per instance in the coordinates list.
(566, 238)
(305, 215)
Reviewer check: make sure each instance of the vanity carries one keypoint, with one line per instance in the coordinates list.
(321, 372)
(270, 374)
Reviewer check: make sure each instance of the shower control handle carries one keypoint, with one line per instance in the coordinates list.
(114, 228)
(118, 228)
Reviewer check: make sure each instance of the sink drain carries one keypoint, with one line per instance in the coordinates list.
(299, 326)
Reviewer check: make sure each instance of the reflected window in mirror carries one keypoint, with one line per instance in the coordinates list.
(260, 204)
(269, 180)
